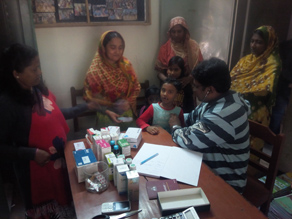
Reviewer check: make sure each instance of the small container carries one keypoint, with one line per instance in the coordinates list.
(132, 166)
(116, 150)
(96, 177)
(128, 161)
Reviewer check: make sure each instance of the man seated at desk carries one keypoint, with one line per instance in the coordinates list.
(218, 127)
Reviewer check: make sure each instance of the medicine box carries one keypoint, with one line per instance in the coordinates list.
(125, 147)
(136, 144)
(117, 162)
(105, 131)
(79, 146)
(174, 201)
(83, 158)
(114, 130)
(122, 179)
(109, 158)
(104, 148)
(133, 135)
(95, 146)
(133, 185)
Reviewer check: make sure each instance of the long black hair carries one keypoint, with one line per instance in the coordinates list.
(16, 58)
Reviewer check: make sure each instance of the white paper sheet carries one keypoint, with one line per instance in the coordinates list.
(172, 162)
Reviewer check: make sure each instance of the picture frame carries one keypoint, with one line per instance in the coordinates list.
(62, 13)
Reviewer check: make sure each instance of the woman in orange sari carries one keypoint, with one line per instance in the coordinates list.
(178, 44)
(112, 82)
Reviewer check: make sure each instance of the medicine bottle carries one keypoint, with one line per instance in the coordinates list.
(132, 166)
(128, 161)
(112, 144)
(116, 150)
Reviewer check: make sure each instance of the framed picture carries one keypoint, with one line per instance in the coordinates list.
(52, 13)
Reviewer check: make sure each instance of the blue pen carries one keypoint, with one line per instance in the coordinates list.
(149, 158)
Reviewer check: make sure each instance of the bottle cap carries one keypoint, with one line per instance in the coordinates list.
(132, 166)
(112, 142)
(116, 147)
(128, 161)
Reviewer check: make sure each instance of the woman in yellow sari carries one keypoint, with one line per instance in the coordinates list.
(256, 76)
(112, 82)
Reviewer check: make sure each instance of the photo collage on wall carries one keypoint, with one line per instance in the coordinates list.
(59, 11)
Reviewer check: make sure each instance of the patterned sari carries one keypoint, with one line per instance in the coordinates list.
(256, 78)
(189, 50)
(107, 84)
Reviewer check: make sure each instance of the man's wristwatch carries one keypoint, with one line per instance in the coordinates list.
(176, 127)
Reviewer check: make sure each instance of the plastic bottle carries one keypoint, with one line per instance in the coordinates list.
(116, 150)
(132, 166)
(128, 161)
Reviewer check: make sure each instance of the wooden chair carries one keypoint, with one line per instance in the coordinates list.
(258, 193)
(78, 93)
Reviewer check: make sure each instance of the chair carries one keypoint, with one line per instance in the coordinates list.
(78, 93)
(75, 93)
(141, 97)
(256, 192)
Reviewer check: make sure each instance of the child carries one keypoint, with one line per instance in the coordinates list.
(152, 95)
(176, 70)
(160, 112)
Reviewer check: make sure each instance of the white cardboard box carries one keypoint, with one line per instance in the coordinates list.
(174, 201)
(83, 158)
(133, 134)
(133, 185)
(122, 179)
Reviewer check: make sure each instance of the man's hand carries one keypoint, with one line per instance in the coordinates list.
(153, 130)
(173, 120)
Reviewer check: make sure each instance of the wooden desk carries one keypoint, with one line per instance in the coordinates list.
(225, 201)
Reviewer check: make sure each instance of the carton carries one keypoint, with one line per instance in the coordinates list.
(114, 130)
(110, 158)
(117, 162)
(125, 147)
(95, 146)
(83, 158)
(104, 148)
(133, 135)
(133, 185)
(122, 179)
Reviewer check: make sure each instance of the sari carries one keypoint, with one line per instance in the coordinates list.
(256, 78)
(109, 83)
(189, 50)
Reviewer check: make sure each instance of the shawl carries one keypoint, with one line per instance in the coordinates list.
(106, 83)
(189, 50)
(49, 183)
(259, 75)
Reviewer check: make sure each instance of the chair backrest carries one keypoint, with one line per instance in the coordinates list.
(78, 93)
(141, 97)
(75, 94)
(270, 170)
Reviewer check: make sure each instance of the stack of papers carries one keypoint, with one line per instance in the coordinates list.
(171, 162)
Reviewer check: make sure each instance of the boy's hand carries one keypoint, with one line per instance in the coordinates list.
(153, 130)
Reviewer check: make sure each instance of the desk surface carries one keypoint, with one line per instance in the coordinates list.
(225, 201)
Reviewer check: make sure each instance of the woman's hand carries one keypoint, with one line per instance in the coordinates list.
(153, 130)
(41, 157)
(113, 116)
(121, 106)
(186, 80)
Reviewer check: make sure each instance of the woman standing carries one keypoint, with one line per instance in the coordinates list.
(256, 75)
(178, 44)
(111, 82)
(33, 134)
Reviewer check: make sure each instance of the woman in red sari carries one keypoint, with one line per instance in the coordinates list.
(112, 82)
(33, 134)
(178, 44)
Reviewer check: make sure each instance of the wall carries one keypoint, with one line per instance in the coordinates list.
(66, 53)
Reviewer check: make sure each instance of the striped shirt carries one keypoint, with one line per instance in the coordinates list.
(219, 129)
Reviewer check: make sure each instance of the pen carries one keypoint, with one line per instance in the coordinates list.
(149, 158)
